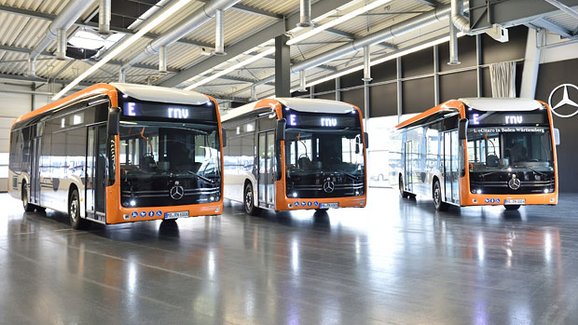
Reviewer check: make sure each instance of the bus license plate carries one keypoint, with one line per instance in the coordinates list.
(333, 205)
(514, 201)
(175, 215)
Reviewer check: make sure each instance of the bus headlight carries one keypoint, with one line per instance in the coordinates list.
(212, 198)
(478, 191)
(132, 203)
(546, 191)
(294, 194)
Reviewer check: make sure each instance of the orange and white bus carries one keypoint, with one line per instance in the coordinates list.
(290, 153)
(480, 151)
(115, 153)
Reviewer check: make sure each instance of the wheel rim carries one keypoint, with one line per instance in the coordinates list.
(74, 208)
(249, 198)
(437, 194)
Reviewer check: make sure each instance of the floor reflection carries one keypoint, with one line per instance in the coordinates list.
(395, 261)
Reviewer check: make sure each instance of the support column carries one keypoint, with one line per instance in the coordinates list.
(399, 90)
(436, 64)
(282, 67)
(531, 63)
(479, 74)
(338, 89)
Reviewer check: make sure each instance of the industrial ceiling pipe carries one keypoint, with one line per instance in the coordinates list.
(305, 14)
(435, 16)
(104, 15)
(163, 59)
(197, 19)
(458, 22)
(61, 44)
(64, 20)
(219, 33)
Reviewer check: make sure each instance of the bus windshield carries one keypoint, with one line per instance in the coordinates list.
(156, 156)
(312, 156)
(502, 148)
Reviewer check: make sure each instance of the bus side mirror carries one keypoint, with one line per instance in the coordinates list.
(224, 136)
(556, 136)
(462, 128)
(366, 139)
(113, 121)
(280, 131)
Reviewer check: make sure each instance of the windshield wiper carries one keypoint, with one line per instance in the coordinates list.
(350, 175)
(201, 177)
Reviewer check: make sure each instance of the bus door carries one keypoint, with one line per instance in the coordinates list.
(410, 157)
(266, 177)
(451, 167)
(35, 169)
(96, 172)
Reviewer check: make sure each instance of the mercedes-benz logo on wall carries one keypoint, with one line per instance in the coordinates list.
(514, 183)
(177, 192)
(328, 186)
(564, 96)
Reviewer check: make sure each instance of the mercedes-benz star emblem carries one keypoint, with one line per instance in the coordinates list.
(565, 100)
(177, 192)
(328, 186)
(514, 183)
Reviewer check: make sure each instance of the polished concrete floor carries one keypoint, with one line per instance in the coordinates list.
(394, 262)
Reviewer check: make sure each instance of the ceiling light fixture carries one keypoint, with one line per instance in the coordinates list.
(124, 45)
(337, 21)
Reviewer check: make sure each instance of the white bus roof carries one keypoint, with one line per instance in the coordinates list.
(298, 104)
(162, 94)
(502, 104)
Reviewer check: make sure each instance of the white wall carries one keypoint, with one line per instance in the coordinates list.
(14, 101)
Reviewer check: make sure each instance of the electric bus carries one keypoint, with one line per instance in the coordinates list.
(290, 153)
(115, 153)
(480, 151)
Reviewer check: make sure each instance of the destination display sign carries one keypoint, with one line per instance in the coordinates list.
(513, 118)
(319, 120)
(139, 109)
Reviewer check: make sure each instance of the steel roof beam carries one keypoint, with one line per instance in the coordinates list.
(268, 33)
(79, 23)
(570, 11)
(553, 27)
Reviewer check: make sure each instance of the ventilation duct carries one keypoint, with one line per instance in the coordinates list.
(163, 59)
(458, 22)
(65, 19)
(197, 19)
(61, 44)
(305, 14)
(219, 33)
(104, 17)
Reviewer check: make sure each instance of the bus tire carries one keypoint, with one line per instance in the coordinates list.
(321, 210)
(512, 207)
(28, 207)
(249, 200)
(404, 194)
(74, 211)
(437, 196)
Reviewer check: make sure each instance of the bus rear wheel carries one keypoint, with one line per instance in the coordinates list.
(28, 207)
(74, 211)
(249, 201)
(513, 207)
(437, 196)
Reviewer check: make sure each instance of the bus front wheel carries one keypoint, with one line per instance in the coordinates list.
(437, 196)
(74, 211)
(513, 207)
(249, 202)
(28, 207)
